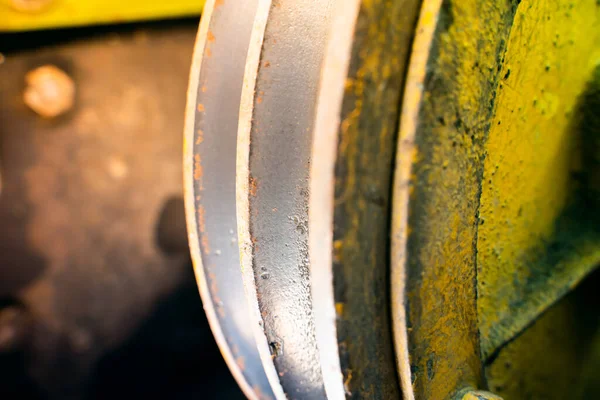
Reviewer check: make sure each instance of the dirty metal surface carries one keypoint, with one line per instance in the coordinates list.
(83, 193)
(320, 223)
(548, 360)
(274, 145)
(488, 226)
(210, 165)
(539, 236)
(352, 168)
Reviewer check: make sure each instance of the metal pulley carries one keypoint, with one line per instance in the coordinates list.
(348, 175)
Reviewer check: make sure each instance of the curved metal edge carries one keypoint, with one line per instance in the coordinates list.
(322, 181)
(405, 155)
(191, 218)
(294, 43)
(243, 191)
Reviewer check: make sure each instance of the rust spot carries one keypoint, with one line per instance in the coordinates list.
(210, 37)
(259, 100)
(200, 136)
(220, 310)
(203, 89)
(348, 381)
(241, 362)
(259, 394)
(337, 250)
(201, 219)
(253, 187)
(198, 171)
(267, 64)
(208, 52)
(201, 107)
(214, 289)
(219, 3)
(205, 245)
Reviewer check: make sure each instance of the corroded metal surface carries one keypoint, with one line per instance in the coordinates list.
(351, 174)
(83, 193)
(274, 154)
(210, 163)
(320, 224)
(483, 240)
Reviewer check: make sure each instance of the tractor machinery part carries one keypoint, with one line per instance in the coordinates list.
(397, 199)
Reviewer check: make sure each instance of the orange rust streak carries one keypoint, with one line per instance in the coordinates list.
(210, 37)
(198, 170)
(200, 137)
(201, 219)
(205, 245)
(253, 187)
(241, 362)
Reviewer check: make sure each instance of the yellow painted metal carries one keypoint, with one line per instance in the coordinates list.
(439, 168)
(548, 360)
(489, 226)
(477, 395)
(527, 255)
(21, 15)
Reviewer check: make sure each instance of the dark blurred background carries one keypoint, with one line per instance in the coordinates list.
(97, 293)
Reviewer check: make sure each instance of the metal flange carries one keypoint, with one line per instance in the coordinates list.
(211, 127)
(274, 146)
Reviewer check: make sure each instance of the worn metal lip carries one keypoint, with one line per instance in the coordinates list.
(322, 190)
(276, 121)
(409, 121)
(243, 191)
(249, 382)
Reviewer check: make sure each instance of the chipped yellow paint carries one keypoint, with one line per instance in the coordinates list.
(21, 15)
(532, 150)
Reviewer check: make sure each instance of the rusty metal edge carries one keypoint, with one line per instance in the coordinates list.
(406, 151)
(322, 181)
(243, 191)
(191, 218)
